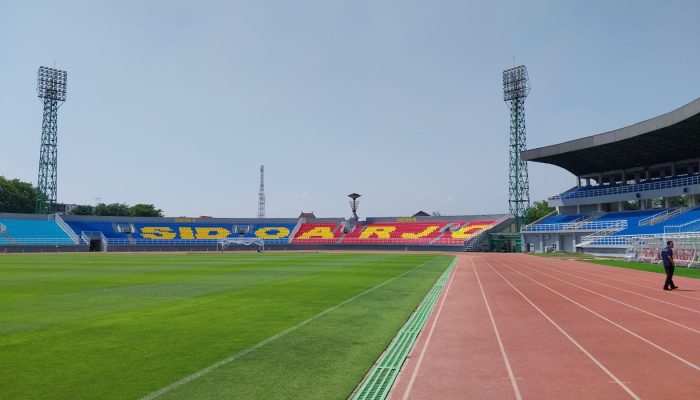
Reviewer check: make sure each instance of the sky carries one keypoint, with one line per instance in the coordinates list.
(179, 103)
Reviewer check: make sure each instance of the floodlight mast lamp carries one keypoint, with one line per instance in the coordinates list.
(516, 87)
(51, 89)
(354, 204)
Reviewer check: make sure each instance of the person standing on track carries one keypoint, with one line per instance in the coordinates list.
(669, 265)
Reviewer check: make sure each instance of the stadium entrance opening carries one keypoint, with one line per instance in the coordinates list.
(96, 245)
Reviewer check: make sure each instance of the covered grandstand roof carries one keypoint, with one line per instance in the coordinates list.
(670, 137)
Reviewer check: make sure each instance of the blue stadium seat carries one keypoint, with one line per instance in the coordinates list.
(33, 232)
(107, 228)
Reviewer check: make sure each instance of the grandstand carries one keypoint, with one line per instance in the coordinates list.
(32, 230)
(625, 203)
(22, 232)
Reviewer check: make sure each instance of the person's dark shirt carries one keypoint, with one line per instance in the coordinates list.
(666, 255)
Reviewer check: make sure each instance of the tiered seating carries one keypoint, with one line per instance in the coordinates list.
(554, 223)
(107, 228)
(395, 233)
(464, 232)
(633, 218)
(323, 233)
(684, 218)
(210, 231)
(33, 232)
(644, 185)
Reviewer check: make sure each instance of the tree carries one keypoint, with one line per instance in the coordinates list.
(17, 196)
(82, 210)
(536, 211)
(145, 210)
(118, 210)
(113, 210)
(680, 201)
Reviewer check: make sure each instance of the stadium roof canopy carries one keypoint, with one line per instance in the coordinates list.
(670, 137)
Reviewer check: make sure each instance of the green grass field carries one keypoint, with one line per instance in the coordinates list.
(680, 271)
(123, 326)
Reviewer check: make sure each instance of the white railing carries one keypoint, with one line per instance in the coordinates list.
(36, 241)
(692, 226)
(85, 236)
(294, 231)
(67, 229)
(603, 241)
(603, 234)
(656, 218)
(639, 187)
(578, 226)
(542, 219)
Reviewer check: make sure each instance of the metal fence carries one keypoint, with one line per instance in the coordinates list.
(639, 187)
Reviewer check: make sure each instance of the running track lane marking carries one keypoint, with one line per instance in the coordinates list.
(571, 339)
(549, 267)
(498, 336)
(616, 301)
(251, 349)
(430, 334)
(647, 341)
(636, 284)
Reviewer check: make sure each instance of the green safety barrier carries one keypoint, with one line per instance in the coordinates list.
(382, 376)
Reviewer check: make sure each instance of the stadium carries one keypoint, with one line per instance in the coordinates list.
(561, 301)
(626, 203)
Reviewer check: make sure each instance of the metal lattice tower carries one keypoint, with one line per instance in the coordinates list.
(51, 89)
(261, 193)
(516, 87)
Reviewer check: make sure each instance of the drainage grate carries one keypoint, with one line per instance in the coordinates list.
(382, 376)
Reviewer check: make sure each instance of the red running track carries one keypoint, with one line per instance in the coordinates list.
(513, 326)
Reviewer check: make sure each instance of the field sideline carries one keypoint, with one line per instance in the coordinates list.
(115, 326)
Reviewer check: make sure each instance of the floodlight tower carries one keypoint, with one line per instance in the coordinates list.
(354, 204)
(516, 86)
(51, 89)
(261, 193)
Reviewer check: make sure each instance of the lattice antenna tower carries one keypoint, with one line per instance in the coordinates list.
(261, 193)
(516, 87)
(51, 89)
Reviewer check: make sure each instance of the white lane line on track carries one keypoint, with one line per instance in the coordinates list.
(619, 288)
(649, 277)
(251, 349)
(430, 334)
(571, 339)
(642, 286)
(498, 336)
(645, 340)
(615, 300)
